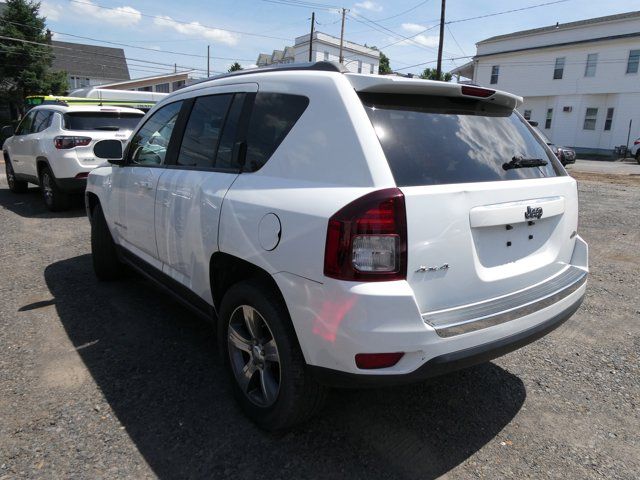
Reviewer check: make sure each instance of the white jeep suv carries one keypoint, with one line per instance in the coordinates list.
(342, 229)
(53, 147)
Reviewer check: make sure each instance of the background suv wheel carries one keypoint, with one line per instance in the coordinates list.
(268, 371)
(16, 186)
(55, 199)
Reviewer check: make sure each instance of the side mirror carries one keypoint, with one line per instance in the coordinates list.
(110, 150)
(7, 131)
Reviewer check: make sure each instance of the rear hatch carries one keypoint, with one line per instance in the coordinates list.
(103, 124)
(477, 227)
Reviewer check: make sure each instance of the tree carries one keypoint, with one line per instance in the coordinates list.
(25, 67)
(384, 68)
(235, 66)
(432, 74)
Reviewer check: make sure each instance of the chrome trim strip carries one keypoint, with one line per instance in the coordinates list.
(469, 318)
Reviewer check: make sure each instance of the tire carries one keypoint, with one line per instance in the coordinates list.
(279, 393)
(106, 264)
(54, 199)
(638, 156)
(16, 186)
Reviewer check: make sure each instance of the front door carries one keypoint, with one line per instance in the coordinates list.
(136, 183)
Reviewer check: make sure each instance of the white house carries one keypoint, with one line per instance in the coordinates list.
(357, 58)
(580, 80)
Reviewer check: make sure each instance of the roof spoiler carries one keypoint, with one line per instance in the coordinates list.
(416, 86)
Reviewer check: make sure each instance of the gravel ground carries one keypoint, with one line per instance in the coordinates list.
(118, 381)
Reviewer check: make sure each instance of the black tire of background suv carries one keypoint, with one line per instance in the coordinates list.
(59, 200)
(106, 264)
(638, 156)
(16, 186)
(300, 396)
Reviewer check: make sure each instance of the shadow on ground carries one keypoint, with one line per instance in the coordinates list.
(157, 368)
(31, 204)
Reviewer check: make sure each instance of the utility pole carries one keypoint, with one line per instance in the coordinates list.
(175, 68)
(208, 60)
(313, 21)
(344, 12)
(439, 67)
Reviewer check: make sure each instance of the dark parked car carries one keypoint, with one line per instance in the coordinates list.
(566, 155)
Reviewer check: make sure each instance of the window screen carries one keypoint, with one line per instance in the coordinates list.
(439, 140)
(273, 116)
(590, 68)
(634, 60)
(495, 73)
(202, 132)
(590, 117)
(558, 70)
(609, 120)
(547, 121)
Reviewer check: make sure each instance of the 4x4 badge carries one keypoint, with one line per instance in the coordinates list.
(424, 268)
(535, 212)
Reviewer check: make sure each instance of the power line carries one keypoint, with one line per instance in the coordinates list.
(127, 45)
(402, 13)
(239, 32)
(507, 11)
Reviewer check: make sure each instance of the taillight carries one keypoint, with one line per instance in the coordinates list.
(477, 91)
(64, 142)
(367, 239)
(637, 142)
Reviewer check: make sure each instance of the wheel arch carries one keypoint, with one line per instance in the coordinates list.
(226, 270)
(42, 162)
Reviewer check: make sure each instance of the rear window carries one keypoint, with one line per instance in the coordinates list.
(101, 120)
(440, 140)
(272, 117)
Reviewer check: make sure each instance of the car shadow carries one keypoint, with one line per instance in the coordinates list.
(156, 365)
(31, 205)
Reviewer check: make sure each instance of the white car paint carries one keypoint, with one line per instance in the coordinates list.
(179, 218)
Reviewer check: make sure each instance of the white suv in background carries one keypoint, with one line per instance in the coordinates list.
(53, 147)
(342, 229)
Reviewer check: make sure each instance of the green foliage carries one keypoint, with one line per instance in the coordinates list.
(432, 74)
(25, 67)
(384, 68)
(235, 67)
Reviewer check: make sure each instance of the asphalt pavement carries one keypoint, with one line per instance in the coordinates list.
(115, 380)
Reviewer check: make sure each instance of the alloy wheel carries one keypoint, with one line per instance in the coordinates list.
(11, 178)
(47, 188)
(253, 354)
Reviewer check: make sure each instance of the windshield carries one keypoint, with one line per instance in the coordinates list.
(101, 120)
(439, 140)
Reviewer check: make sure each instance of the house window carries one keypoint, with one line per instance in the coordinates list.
(590, 119)
(527, 114)
(547, 122)
(590, 68)
(559, 68)
(371, 68)
(326, 56)
(634, 60)
(495, 72)
(177, 85)
(359, 66)
(162, 88)
(609, 120)
(145, 89)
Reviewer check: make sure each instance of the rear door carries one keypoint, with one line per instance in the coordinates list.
(191, 192)
(135, 184)
(477, 228)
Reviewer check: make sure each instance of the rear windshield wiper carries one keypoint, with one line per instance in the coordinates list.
(107, 127)
(520, 162)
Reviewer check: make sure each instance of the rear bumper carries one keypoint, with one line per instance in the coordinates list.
(447, 362)
(335, 320)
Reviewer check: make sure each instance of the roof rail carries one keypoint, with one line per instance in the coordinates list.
(322, 66)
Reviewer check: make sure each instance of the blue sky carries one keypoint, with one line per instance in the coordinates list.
(240, 29)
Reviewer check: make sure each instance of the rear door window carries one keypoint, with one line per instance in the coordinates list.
(272, 117)
(432, 140)
(203, 131)
(110, 121)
